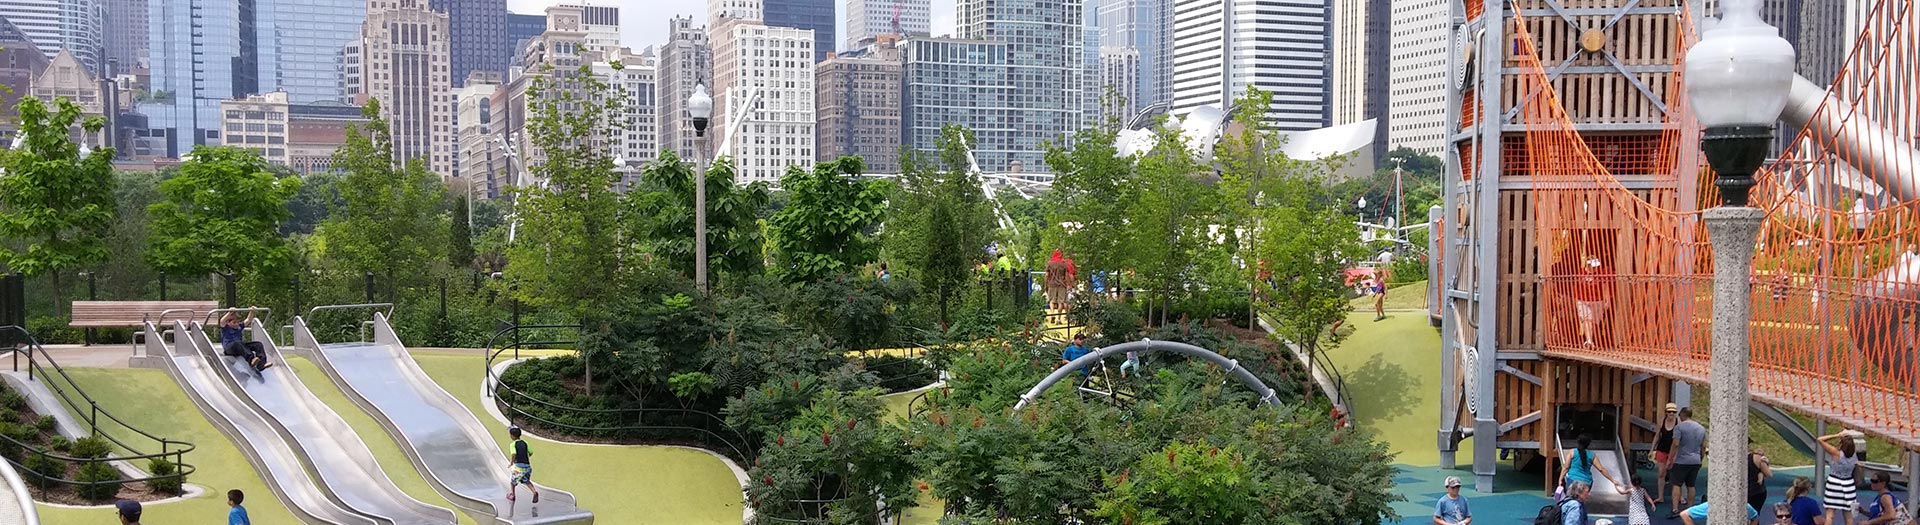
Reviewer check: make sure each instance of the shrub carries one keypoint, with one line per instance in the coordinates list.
(900, 374)
(60, 444)
(42, 470)
(54, 330)
(91, 447)
(13, 401)
(161, 469)
(99, 481)
(45, 424)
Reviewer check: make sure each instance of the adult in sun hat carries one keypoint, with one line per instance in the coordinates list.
(1452, 508)
(1662, 450)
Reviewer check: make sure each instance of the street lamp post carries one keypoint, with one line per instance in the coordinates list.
(700, 107)
(1738, 76)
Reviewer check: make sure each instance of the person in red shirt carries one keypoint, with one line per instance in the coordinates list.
(1590, 294)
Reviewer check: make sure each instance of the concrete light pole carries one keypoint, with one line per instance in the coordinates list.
(1738, 76)
(700, 107)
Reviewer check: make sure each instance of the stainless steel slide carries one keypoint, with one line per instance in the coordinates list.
(1606, 498)
(332, 450)
(439, 435)
(271, 455)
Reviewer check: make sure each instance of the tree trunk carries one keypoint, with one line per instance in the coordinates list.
(943, 308)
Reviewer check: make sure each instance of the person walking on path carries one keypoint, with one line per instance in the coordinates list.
(1801, 508)
(1451, 509)
(1663, 452)
(237, 514)
(1885, 509)
(522, 466)
(1639, 504)
(1759, 470)
(1057, 281)
(1840, 493)
(1578, 464)
(233, 343)
(1689, 450)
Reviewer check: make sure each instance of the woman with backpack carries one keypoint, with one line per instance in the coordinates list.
(1578, 464)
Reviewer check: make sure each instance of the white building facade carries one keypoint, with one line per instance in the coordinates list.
(1280, 46)
(1417, 100)
(867, 19)
(777, 130)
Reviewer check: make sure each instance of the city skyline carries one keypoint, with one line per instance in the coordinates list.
(642, 28)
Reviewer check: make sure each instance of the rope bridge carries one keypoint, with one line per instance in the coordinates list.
(1625, 263)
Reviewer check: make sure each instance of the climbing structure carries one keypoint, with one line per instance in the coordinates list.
(1576, 276)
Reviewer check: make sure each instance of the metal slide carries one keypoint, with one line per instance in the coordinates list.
(1804, 441)
(442, 438)
(335, 454)
(279, 465)
(1605, 498)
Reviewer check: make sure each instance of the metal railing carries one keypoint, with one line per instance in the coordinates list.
(171, 450)
(208, 319)
(708, 430)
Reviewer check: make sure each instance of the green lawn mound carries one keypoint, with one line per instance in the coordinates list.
(680, 486)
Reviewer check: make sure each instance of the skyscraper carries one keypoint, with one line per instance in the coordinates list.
(601, 23)
(75, 25)
(480, 37)
(1143, 26)
(1289, 57)
(964, 82)
(300, 46)
(1120, 71)
(402, 61)
(521, 28)
(774, 65)
(1091, 90)
(478, 118)
(127, 35)
(684, 62)
(200, 55)
(811, 15)
(636, 82)
(1417, 106)
(859, 105)
(1046, 64)
(867, 19)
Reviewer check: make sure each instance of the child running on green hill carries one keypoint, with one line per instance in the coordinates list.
(522, 466)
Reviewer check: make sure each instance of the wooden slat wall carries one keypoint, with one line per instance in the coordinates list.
(1608, 97)
(1516, 398)
(1518, 318)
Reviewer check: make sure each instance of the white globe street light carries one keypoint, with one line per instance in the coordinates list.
(700, 107)
(1738, 76)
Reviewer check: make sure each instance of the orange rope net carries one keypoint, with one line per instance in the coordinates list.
(1624, 258)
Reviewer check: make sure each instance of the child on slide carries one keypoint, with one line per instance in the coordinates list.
(522, 466)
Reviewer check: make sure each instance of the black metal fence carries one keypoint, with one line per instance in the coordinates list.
(99, 422)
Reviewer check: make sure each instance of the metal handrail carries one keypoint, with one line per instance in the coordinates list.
(24, 498)
(162, 316)
(738, 444)
(317, 309)
(208, 319)
(177, 450)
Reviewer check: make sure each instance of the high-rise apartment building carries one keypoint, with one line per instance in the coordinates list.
(75, 25)
(719, 10)
(968, 83)
(478, 118)
(1143, 26)
(1046, 66)
(480, 37)
(300, 46)
(520, 29)
(186, 82)
(684, 62)
(1216, 56)
(635, 81)
(1120, 73)
(769, 72)
(859, 105)
(127, 35)
(1350, 69)
(402, 61)
(868, 19)
(812, 15)
(1092, 92)
(550, 63)
(1417, 103)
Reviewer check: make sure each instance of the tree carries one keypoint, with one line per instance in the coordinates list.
(319, 197)
(827, 225)
(660, 217)
(460, 236)
(391, 221)
(838, 461)
(941, 221)
(57, 202)
(565, 256)
(222, 214)
(1166, 222)
(1094, 186)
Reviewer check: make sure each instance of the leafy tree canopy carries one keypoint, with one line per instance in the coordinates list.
(222, 214)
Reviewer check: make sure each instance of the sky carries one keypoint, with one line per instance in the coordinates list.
(644, 22)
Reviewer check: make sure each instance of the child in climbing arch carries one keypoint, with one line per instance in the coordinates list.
(522, 466)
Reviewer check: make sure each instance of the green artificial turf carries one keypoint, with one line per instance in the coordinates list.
(150, 401)
(625, 485)
(1392, 370)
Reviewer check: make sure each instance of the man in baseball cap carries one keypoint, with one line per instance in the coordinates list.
(129, 512)
(1452, 508)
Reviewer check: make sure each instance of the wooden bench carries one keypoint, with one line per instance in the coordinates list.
(133, 314)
